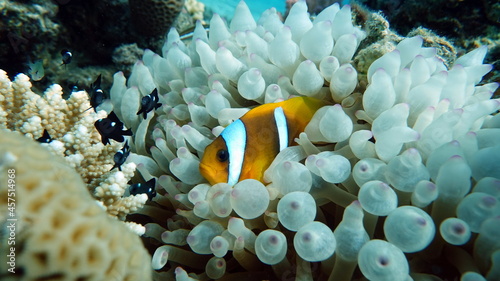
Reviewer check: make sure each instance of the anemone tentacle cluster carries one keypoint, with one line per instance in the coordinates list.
(407, 164)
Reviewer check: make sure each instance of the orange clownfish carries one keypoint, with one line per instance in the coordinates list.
(246, 148)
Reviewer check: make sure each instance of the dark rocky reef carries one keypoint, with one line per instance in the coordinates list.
(465, 23)
(101, 35)
(29, 30)
(154, 17)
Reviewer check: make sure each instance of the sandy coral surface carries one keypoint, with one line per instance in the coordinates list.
(58, 229)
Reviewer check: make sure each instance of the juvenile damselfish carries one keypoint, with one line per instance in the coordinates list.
(45, 138)
(66, 56)
(147, 187)
(148, 103)
(96, 94)
(111, 128)
(121, 156)
(246, 148)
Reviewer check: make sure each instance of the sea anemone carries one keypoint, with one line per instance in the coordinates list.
(407, 137)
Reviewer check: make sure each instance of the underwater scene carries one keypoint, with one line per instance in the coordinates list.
(257, 140)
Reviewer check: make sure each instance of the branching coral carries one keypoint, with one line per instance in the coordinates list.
(71, 127)
(54, 229)
(410, 145)
(195, 8)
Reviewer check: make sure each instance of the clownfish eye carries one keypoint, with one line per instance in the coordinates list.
(222, 155)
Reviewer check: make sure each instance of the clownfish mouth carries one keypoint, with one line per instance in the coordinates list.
(205, 170)
(212, 175)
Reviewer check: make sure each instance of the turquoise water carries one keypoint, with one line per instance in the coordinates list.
(225, 8)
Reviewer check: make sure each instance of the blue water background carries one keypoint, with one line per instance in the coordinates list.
(225, 8)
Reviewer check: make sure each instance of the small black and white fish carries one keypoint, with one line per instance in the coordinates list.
(148, 103)
(66, 56)
(148, 188)
(121, 156)
(97, 96)
(36, 70)
(45, 138)
(111, 128)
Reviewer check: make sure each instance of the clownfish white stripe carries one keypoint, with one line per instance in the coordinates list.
(281, 126)
(235, 136)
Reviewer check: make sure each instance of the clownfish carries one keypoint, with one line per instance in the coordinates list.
(111, 128)
(246, 148)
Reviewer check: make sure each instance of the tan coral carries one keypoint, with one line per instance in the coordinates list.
(111, 190)
(5, 91)
(65, 120)
(71, 127)
(61, 232)
(126, 205)
(195, 8)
